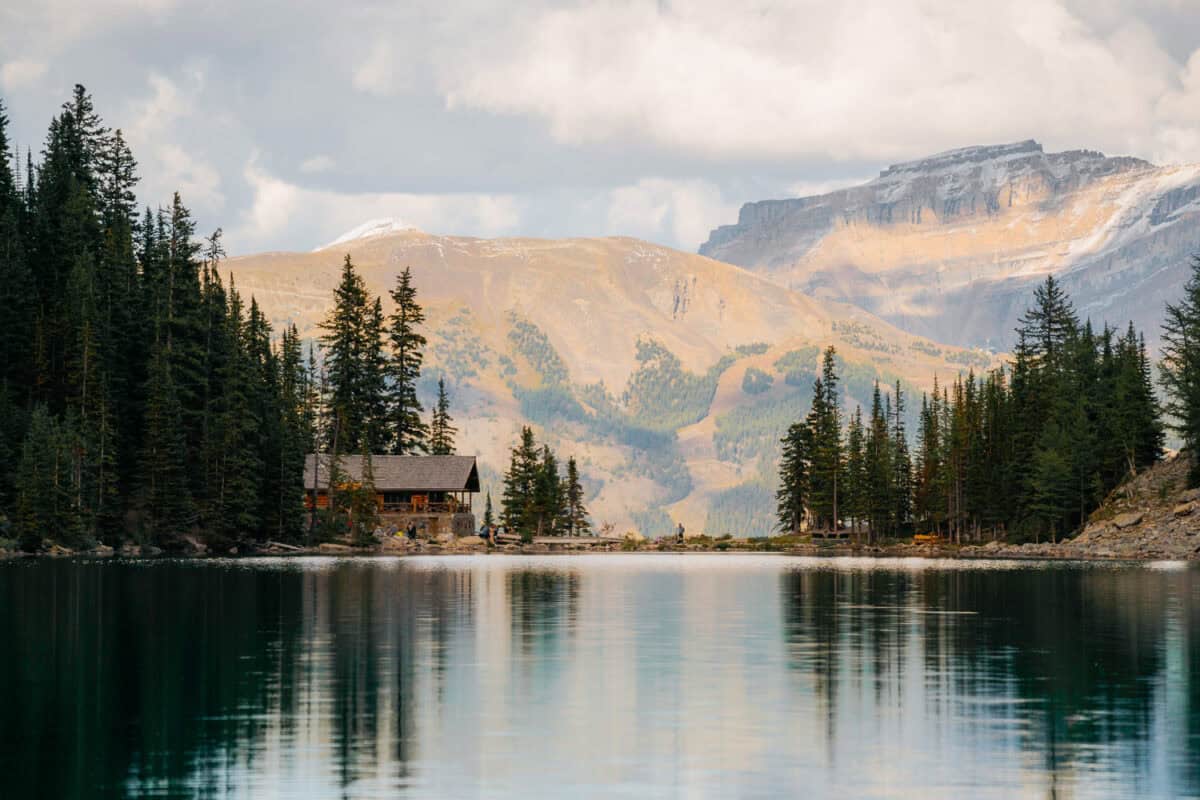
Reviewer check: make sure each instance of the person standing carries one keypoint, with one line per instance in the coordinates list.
(679, 534)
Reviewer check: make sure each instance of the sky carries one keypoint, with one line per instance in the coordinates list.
(288, 123)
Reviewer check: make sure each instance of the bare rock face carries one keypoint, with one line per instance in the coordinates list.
(949, 246)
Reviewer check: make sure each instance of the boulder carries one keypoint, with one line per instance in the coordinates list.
(102, 550)
(634, 536)
(1190, 496)
(1184, 509)
(470, 543)
(58, 550)
(334, 547)
(1128, 519)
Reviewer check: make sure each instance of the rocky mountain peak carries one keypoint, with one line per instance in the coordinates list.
(965, 156)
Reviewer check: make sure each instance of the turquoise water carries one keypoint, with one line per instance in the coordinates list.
(638, 676)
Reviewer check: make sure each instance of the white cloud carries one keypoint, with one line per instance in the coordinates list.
(320, 163)
(377, 74)
(153, 135)
(21, 73)
(54, 24)
(309, 217)
(851, 80)
(678, 211)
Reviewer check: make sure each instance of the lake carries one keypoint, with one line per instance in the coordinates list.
(623, 675)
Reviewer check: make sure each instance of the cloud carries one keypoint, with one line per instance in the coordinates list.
(376, 74)
(21, 73)
(854, 80)
(678, 211)
(314, 164)
(50, 25)
(154, 134)
(308, 217)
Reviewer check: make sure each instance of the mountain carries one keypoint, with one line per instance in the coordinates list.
(948, 246)
(671, 376)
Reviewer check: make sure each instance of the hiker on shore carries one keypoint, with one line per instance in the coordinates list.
(679, 534)
(411, 531)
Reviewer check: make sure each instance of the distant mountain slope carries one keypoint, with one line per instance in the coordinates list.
(630, 355)
(948, 246)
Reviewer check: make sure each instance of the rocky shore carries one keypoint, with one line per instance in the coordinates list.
(1152, 517)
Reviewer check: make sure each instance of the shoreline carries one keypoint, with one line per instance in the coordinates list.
(1030, 552)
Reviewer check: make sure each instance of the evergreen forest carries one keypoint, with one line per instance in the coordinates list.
(143, 399)
(1026, 451)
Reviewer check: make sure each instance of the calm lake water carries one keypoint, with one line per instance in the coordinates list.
(634, 676)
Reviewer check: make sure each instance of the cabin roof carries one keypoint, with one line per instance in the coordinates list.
(403, 473)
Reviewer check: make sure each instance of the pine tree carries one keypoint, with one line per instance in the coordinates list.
(901, 479)
(239, 515)
(856, 487)
(577, 523)
(409, 433)
(518, 501)
(489, 518)
(350, 360)
(1053, 483)
(17, 290)
(294, 437)
(43, 484)
(364, 509)
(825, 455)
(1180, 368)
(549, 499)
(793, 493)
(165, 497)
(879, 469)
(441, 429)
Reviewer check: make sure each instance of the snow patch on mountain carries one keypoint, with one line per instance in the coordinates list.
(370, 229)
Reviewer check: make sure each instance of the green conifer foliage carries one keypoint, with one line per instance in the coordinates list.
(441, 428)
(409, 433)
(577, 523)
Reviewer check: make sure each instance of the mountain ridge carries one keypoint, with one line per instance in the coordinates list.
(950, 245)
(631, 355)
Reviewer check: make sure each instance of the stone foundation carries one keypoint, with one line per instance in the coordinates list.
(431, 526)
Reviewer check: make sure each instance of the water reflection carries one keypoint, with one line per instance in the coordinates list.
(617, 675)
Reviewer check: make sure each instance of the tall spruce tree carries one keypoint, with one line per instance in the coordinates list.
(901, 478)
(857, 485)
(441, 428)
(577, 523)
(549, 499)
(1180, 368)
(792, 497)
(165, 497)
(351, 345)
(520, 481)
(878, 468)
(409, 433)
(826, 449)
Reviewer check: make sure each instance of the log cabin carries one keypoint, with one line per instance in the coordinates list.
(434, 492)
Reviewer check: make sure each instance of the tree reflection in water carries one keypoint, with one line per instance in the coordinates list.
(656, 675)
